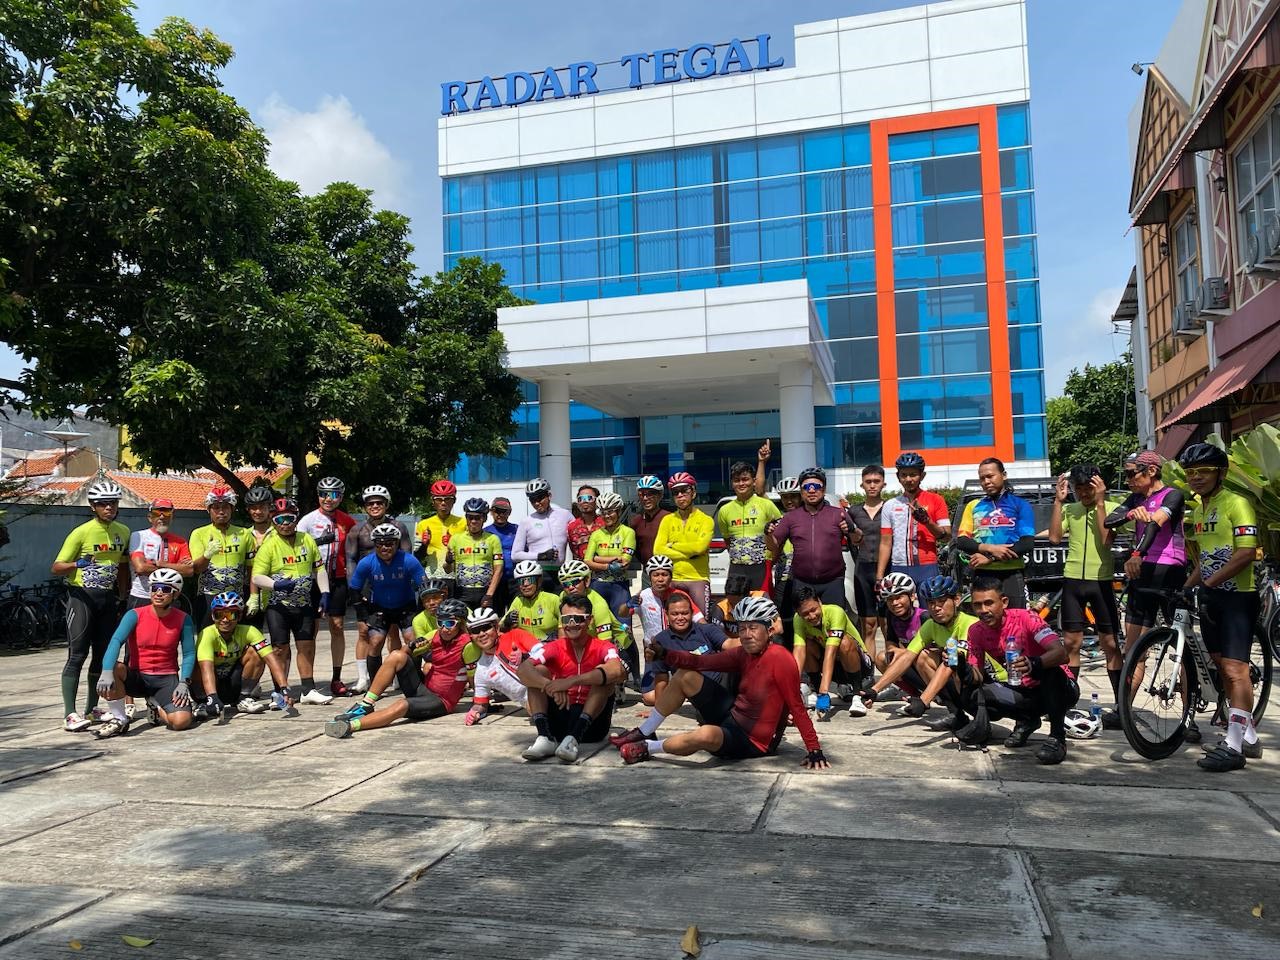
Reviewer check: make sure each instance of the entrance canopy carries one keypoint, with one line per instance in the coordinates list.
(725, 349)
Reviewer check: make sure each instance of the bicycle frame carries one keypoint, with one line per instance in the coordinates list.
(1206, 670)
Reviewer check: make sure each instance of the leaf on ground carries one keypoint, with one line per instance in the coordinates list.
(75, 944)
(689, 942)
(136, 941)
(1257, 910)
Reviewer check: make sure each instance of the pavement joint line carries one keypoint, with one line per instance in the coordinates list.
(771, 801)
(1055, 940)
(52, 767)
(292, 743)
(474, 831)
(1256, 808)
(351, 786)
(58, 918)
(72, 817)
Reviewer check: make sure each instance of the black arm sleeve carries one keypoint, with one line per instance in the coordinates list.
(1024, 546)
(967, 544)
(1148, 537)
(1120, 515)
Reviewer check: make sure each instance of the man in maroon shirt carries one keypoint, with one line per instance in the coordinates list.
(816, 532)
(750, 725)
(649, 491)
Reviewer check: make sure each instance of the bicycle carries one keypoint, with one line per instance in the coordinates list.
(1166, 692)
(1269, 615)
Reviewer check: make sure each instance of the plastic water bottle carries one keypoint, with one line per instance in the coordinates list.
(277, 700)
(1011, 653)
(1095, 707)
(953, 652)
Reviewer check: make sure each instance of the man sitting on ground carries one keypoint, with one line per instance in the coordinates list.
(750, 725)
(828, 646)
(901, 620)
(533, 609)
(497, 670)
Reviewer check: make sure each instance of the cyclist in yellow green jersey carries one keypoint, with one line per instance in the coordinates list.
(219, 553)
(828, 646)
(742, 522)
(259, 500)
(533, 608)
(230, 658)
(685, 537)
(430, 595)
(433, 534)
(474, 558)
(1224, 535)
(94, 563)
(575, 577)
(608, 554)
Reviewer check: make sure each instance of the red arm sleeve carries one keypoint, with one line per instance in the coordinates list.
(788, 683)
(726, 661)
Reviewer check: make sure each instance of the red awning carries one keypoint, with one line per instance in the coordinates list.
(1232, 375)
(1175, 439)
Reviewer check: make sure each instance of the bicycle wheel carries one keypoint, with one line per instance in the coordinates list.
(1162, 694)
(1261, 662)
(43, 635)
(20, 625)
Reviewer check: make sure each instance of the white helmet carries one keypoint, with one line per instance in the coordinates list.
(168, 576)
(331, 485)
(535, 486)
(376, 491)
(574, 570)
(609, 501)
(104, 490)
(1081, 725)
(658, 562)
(481, 617)
(527, 568)
(386, 531)
(893, 585)
(755, 610)
(787, 485)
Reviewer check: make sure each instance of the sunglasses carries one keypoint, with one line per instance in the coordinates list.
(535, 497)
(525, 581)
(813, 485)
(576, 581)
(679, 490)
(501, 513)
(162, 512)
(474, 516)
(443, 499)
(1201, 471)
(572, 620)
(284, 519)
(448, 624)
(222, 616)
(1130, 474)
(163, 588)
(586, 498)
(330, 495)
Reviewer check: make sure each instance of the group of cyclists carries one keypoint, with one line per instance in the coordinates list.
(540, 614)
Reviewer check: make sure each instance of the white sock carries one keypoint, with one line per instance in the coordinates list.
(1237, 722)
(117, 710)
(362, 671)
(655, 747)
(650, 724)
(1250, 731)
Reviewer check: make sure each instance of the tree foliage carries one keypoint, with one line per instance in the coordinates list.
(1094, 420)
(156, 273)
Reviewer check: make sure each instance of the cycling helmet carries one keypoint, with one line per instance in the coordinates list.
(444, 488)
(609, 501)
(259, 493)
(481, 617)
(682, 479)
(893, 585)
(376, 491)
(1203, 455)
(220, 494)
(527, 568)
(331, 485)
(452, 609)
(813, 473)
(476, 505)
(536, 486)
(227, 600)
(574, 570)
(104, 491)
(787, 485)
(937, 587)
(649, 482)
(1081, 725)
(755, 610)
(284, 505)
(429, 586)
(167, 575)
(909, 460)
(658, 562)
(384, 532)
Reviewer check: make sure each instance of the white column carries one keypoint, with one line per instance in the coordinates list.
(795, 416)
(553, 437)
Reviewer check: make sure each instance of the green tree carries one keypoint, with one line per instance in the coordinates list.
(1094, 420)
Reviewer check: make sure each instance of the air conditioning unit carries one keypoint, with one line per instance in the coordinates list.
(1187, 323)
(1214, 296)
(1257, 257)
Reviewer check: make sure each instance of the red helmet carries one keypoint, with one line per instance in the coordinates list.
(681, 479)
(443, 488)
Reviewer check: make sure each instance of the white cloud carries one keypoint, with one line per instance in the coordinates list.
(1074, 339)
(331, 142)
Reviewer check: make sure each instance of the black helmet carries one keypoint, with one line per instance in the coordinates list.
(813, 473)
(260, 493)
(1203, 455)
(452, 609)
(909, 461)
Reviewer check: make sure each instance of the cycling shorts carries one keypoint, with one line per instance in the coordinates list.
(713, 702)
(1227, 619)
(737, 745)
(381, 619)
(157, 687)
(562, 721)
(1142, 609)
(864, 588)
(422, 703)
(1098, 596)
(284, 621)
(337, 596)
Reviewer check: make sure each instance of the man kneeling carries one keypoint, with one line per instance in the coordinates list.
(750, 725)
(432, 674)
(571, 681)
(230, 659)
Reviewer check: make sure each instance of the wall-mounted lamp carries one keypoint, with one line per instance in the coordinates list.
(1164, 248)
(1140, 66)
(1220, 181)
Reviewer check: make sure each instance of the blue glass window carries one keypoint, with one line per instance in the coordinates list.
(578, 180)
(1020, 259)
(1024, 302)
(1024, 348)
(779, 155)
(857, 403)
(827, 277)
(945, 222)
(855, 359)
(851, 316)
(519, 464)
(781, 239)
(1018, 214)
(1030, 440)
(472, 231)
(935, 179)
(933, 434)
(938, 354)
(823, 149)
(1028, 393)
(857, 145)
(1013, 125)
(578, 220)
(851, 446)
(452, 199)
(740, 160)
(950, 398)
(956, 263)
(472, 192)
(947, 308)
(1015, 170)
(933, 143)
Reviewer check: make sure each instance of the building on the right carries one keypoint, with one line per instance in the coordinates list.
(1203, 299)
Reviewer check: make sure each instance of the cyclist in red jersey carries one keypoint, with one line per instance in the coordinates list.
(750, 725)
(585, 523)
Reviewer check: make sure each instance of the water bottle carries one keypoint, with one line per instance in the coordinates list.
(953, 653)
(1011, 653)
(277, 700)
(1095, 708)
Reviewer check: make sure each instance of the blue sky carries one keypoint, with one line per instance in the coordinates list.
(351, 91)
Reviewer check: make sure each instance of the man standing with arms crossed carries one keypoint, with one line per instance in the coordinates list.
(864, 537)
(156, 549)
(816, 532)
(685, 537)
(219, 555)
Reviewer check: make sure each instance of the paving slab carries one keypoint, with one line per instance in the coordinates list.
(18, 763)
(1268, 803)
(26, 906)
(1107, 906)
(1114, 763)
(29, 806)
(511, 790)
(759, 886)
(247, 734)
(267, 853)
